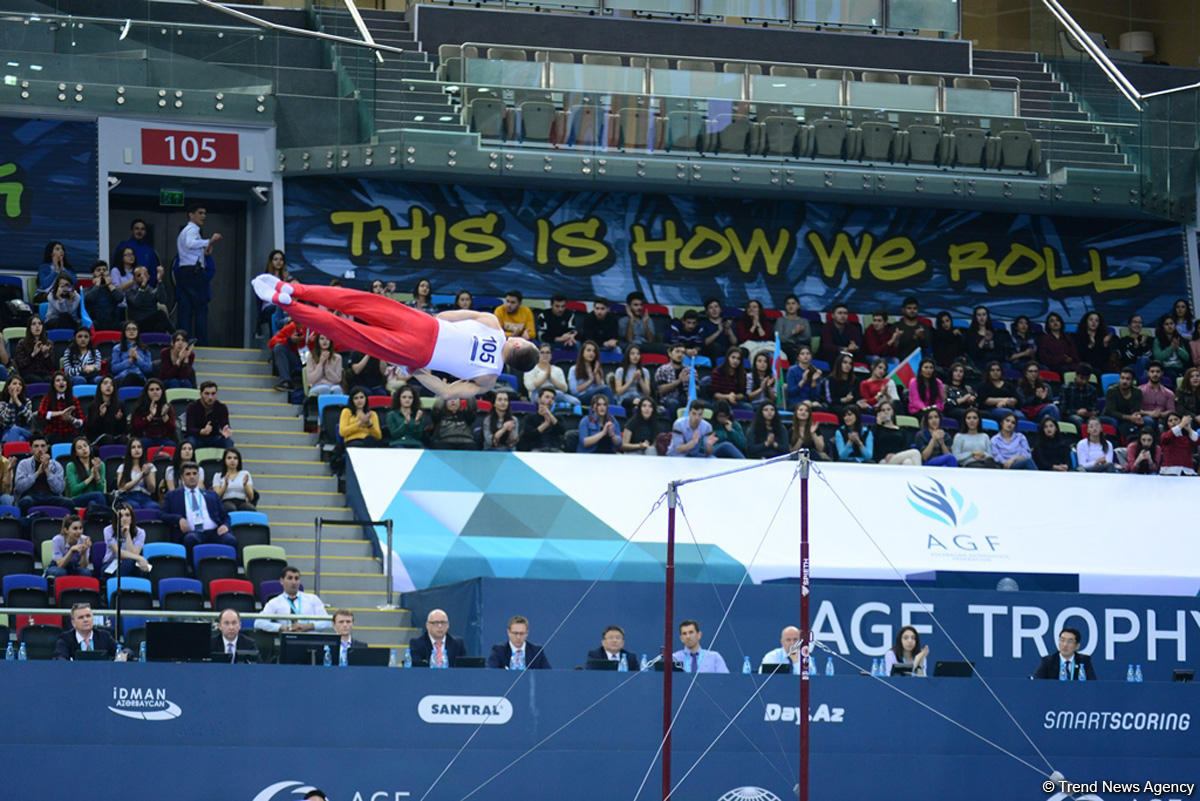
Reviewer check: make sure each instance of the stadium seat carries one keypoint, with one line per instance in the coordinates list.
(156, 530)
(538, 121)
(685, 131)
(829, 136)
(263, 562)
(554, 56)
(39, 640)
(1028, 427)
(789, 71)
(784, 136)
(250, 528)
(988, 424)
(84, 392)
(603, 59)
(60, 449)
(654, 62)
(695, 65)
(507, 53)
(167, 560)
(181, 595)
(214, 561)
(135, 592)
(25, 591)
(486, 116)
(70, 590)
(741, 68)
(16, 557)
(269, 589)
(10, 523)
(735, 134)
(232, 594)
(16, 449)
(905, 421)
(1068, 428)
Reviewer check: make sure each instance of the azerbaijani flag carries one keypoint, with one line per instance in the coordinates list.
(84, 317)
(906, 370)
(779, 365)
(691, 380)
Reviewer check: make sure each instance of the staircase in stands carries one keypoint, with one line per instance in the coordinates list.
(296, 487)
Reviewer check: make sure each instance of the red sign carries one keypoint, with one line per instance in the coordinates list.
(217, 151)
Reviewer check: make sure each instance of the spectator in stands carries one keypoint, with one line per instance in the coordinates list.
(751, 327)
(186, 452)
(436, 646)
(760, 380)
(72, 550)
(1184, 321)
(234, 485)
(83, 636)
(558, 323)
(925, 389)
(642, 430)
(1080, 396)
(792, 329)
(1033, 394)
(1157, 400)
(1068, 661)
(840, 335)
(1143, 454)
(547, 375)
(1056, 350)
(854, 441)
(718, 334)
(422, 299)
(997, 395)
(880, 337)
(123, 542)
(1167, 347)
(1178, 446)
(612, 649)
(960, 396)
(693, 436)
(196, 512)
(1135, 348)
(517, 320)
(1094, 343)
(80, 361)
(1022, 346)
(787, 652)
(285, 349)
(63, 304)
(85, 477)
(499, 425)
(637, 326)
(130, 365)
(599, 431)
(145, 304)
(806, 434)
(933, 441)
(907, 652)
(914, 333)
(39, 480)
(1010, 449)
(948, 343)
(840, 389)
(34, 356)
(359, 424)
(542, 430)
(294, 601)
(891, 444)
(59, 412)
(103, 300)
(1094, 453)
(395, 376)
(694, 658)
(276, 266)
(386, 289)
(1187, 399)
(8, 470)
(1051, 451)
(136, 483)
(586, 377)
(804, 378)
(686, 331)
(671, 380)
(877, 387)
(452, 419)
(230, 641)
(983, 343)
(728, 432)
(516, 653)
(463, 300)
(124, 263)
(768, 437)
(366, 371)
(1194, 345)
(971, 447)
(16, 411)
(194, 270)
(598, 326)
(208, 420)
(324, 368)
(728, 381)
(1123, 402)
(142, 248)
(153, 419)
(54, 265)
(406, 420)
(631, 380)
(175, 362)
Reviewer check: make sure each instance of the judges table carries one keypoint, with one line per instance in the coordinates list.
(262, 732)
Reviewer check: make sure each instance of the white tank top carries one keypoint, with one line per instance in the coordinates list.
(467, 348)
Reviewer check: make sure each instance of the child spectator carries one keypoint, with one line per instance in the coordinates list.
(16, 411)
(599, 432)
(80, 361)
(359, 424)
(515, 319)
(997, 396)
(854, 442)
(925, 390)
(1080, 396)
(971, 447)
(104, 301)
(839, 389)
(1143, 454)
(1094, 343)
(499, 425)
(933, 441)
(153, 419)
(233, 484)
(586, 376)
(452, 418)
(176, 362)
(880, 338)
(1010, 449)
(406, 420)
(34, 355)
(1033, 394)
(728, 431)
(72, 550)
(63, 304)
(542, 431)
(130, 365)
(1179, 446)
(631, 380)
(792, 329)
(1051, 451)
(803, 378)
(877, 387)
(105, 423)
(59, 413)
(806, 434)
(136, 483)
(547, 375)
(768, 437)
(86, 481)
(1023, 344)
(891, 446)
(760, 381)
(324, 368)
(728, 381)
(840, 334)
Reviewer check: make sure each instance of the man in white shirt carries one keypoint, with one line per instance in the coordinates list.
(788, 650)
(229, 644)
(192, 275)
(294, 602)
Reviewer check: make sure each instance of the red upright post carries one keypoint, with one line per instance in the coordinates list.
(805, 630)
(668, 640)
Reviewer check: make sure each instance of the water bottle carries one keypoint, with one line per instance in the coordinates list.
(142, 651)
(746, 666)
(407, 658)
(645, 663)
(1082, 674)
(622, 665)
(9, 653)
(812, 666)
(391, 657)
(1062, 671)
(21, 654)
(829, 666)
(328, 660)
(1137, 673)
(1129, 675)
(877, 667)
(343, 658)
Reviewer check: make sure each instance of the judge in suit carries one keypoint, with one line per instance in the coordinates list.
(196, 513)
(229, 642)
(612, 646)
(343, 626)
(516, 653)
(436, 641)
(1068, 657)
(82, 636)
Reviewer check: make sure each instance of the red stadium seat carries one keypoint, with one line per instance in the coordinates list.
(65, 583)
(483, 406)
(576, 306)
(772, 314)
(654, 359)
(657, 309)
(825, 417)
(235, 593)
(16, 448)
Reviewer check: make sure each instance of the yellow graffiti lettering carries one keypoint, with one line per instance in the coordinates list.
(893, 260)
(1093, 277)
(11, 191)
(414, 235)
(971, 256)
(1006, 276)
(542, 245)
(772, 256)
(842, 249)
(700, 236)
(359, 220)
(478, 231)
(668, 246)
(580, 247)
(1109, 284)
(439, 237)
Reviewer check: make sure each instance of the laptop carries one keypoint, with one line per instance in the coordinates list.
(469, 662)
(780, 667)
(93, 656)
(602, 664)
(960, 670)
(370, 657)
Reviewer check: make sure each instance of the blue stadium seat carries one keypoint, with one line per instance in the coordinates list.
(1027, 426)
(25, 590)
(181, 594)
(82, 391)
(511, 380)
(128, 393)
(237, 518)
(129, 584)
(988, 424)
(60, 449)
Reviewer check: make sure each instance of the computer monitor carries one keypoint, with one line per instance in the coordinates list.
(775, 667)
(962, 670)
(103, 655)
(172, 641)
(372, 657)
(307, 649)
(603, 664)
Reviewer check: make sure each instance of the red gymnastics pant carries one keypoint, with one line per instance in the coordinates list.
(388, 330)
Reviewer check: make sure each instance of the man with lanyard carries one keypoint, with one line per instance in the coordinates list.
(694, 658)
(294, 602)
(197, 512)
(192, 273)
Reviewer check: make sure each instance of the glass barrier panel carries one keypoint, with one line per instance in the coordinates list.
(503, 72)
(597, 78)
(983, 102)
(569, 5)
(859, 13)
(925, 15)
(780, 89)
(751, 9)
(691, 83)
(893, 96)
(683, 8)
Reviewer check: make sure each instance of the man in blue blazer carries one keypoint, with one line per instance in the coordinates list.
(612, 648)
(196, 513)
(516, 652)
(1066, 658)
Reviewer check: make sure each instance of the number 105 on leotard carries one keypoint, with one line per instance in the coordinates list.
(483, 351)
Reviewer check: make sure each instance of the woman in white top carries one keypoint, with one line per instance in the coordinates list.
(546, 374)
(234, 486)
(136, 480)
(324, 368)
(907, 652)
(186, 452)
(126, 537)
(1094, 453)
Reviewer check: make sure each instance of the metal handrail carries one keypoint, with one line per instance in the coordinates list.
(1101, 58)
(362, 27)
(12, 16)
(320, 522)
(263, 23)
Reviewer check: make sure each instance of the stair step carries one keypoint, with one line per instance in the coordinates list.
(301, 516)
(390, 618)
(299, 546)
(313, 468)
(352, 580)
(284, 423)
(298, 437)
(206, 354)
(242, 381)
(351, 564)
(304, 500)
(266, 482)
